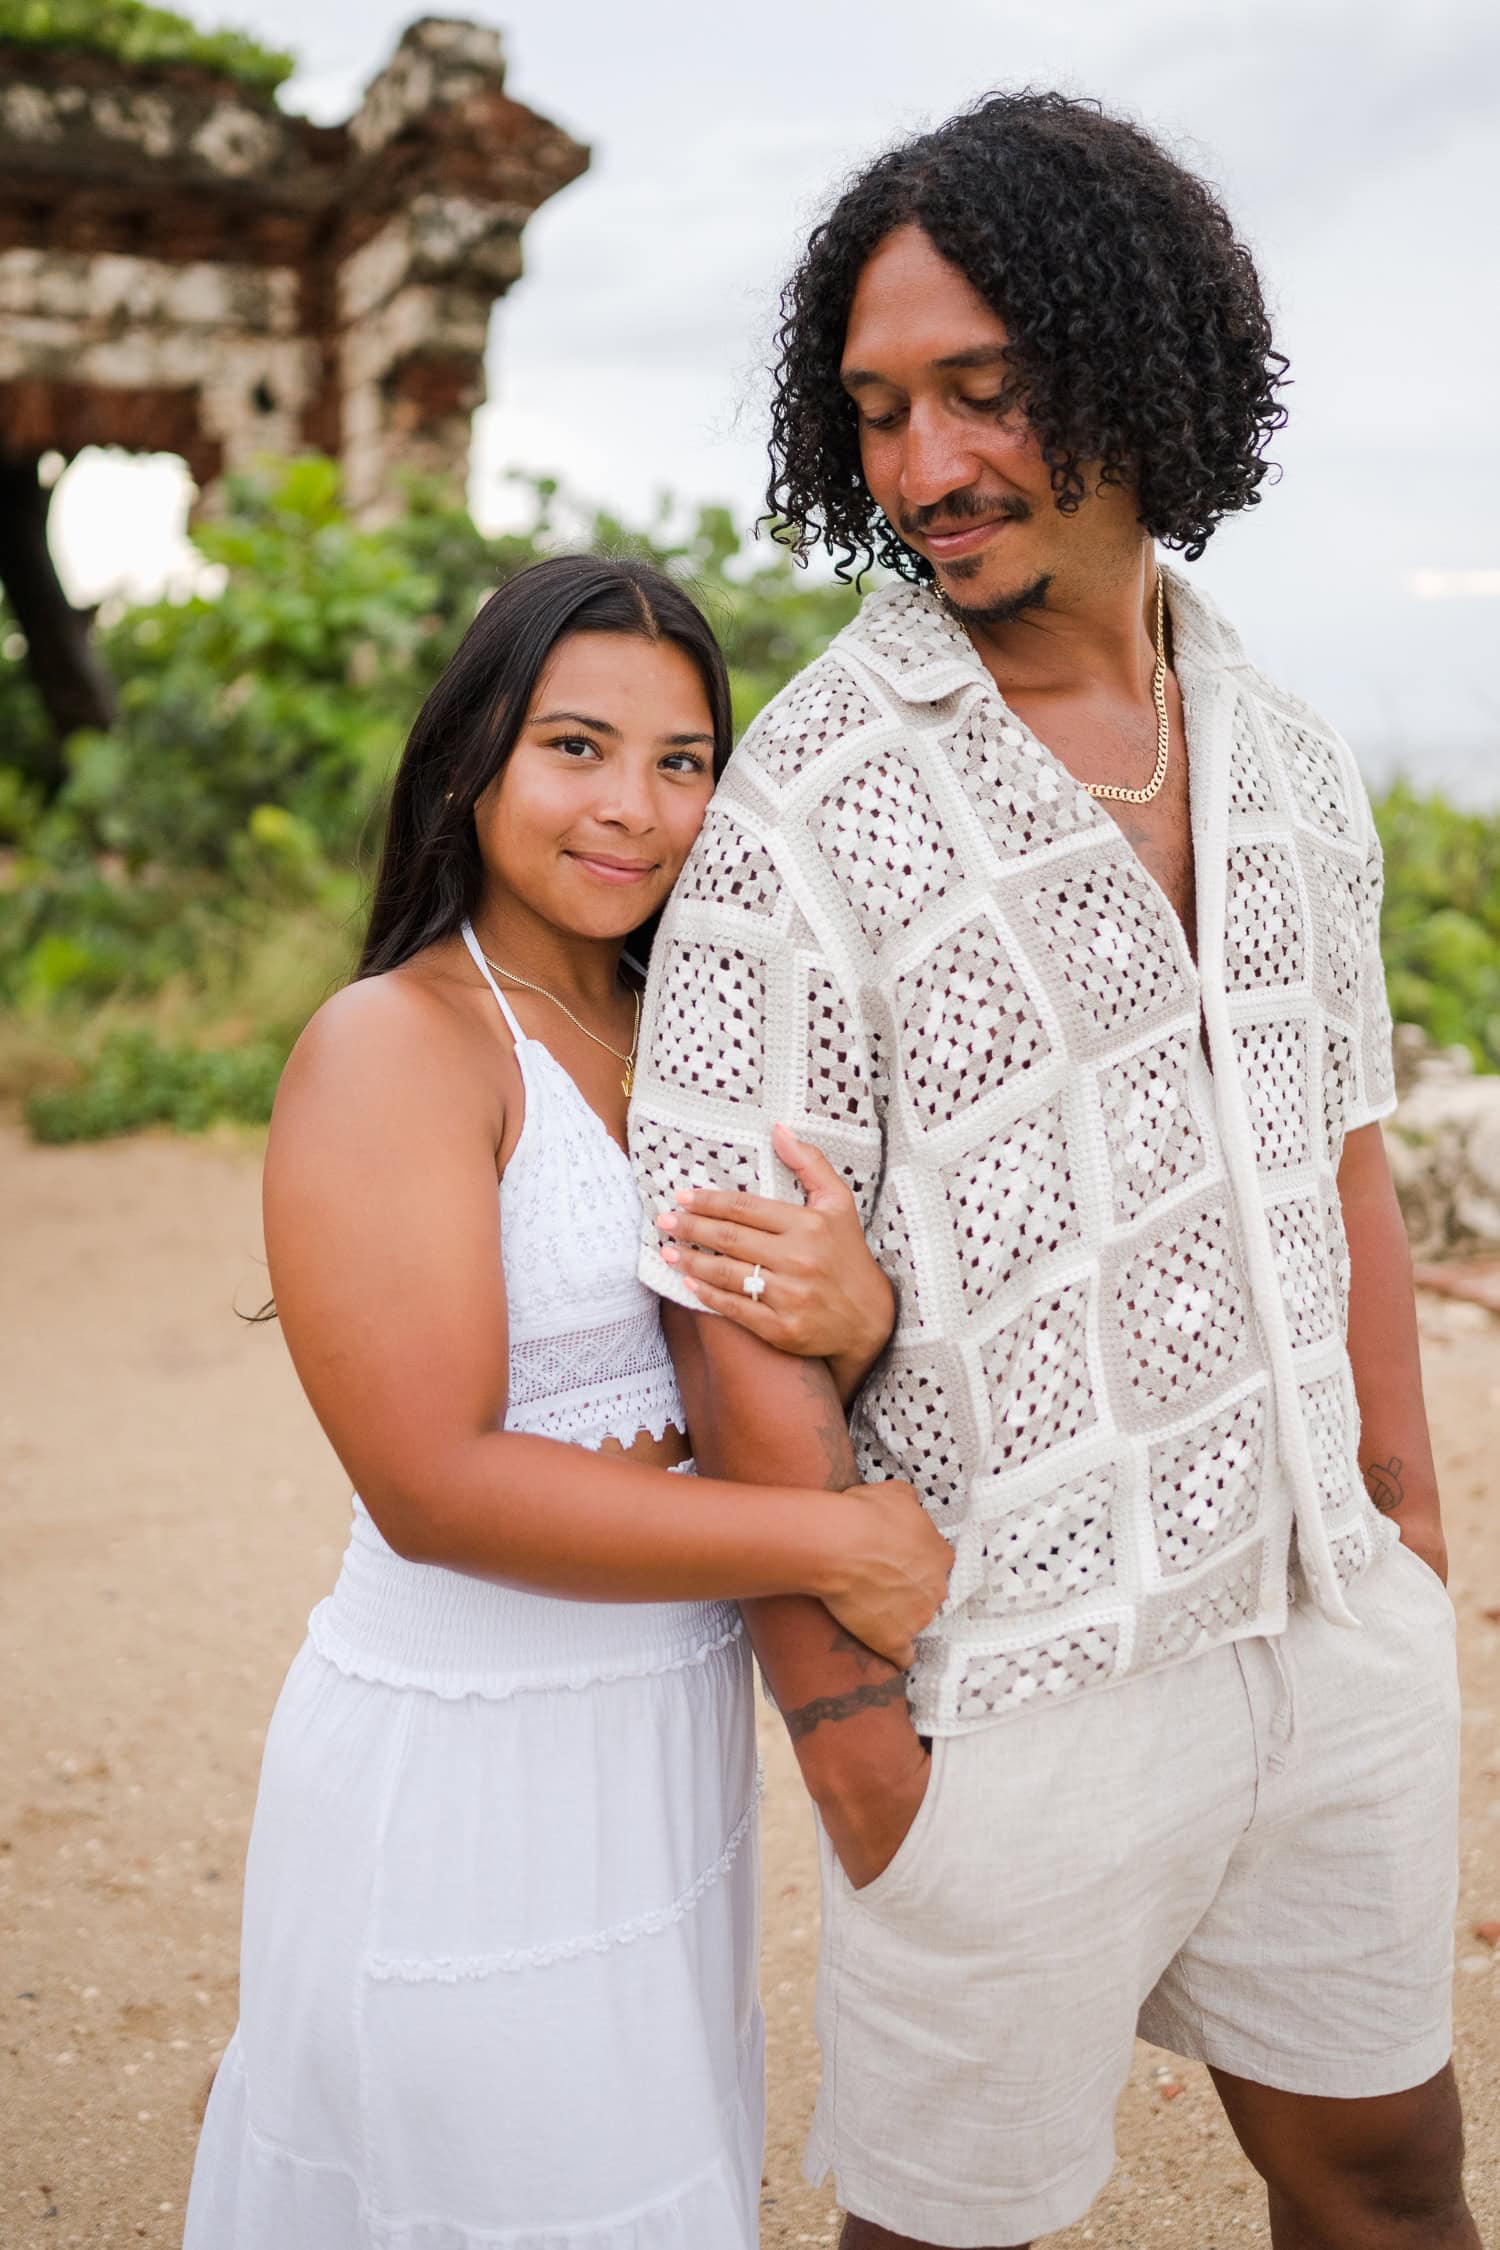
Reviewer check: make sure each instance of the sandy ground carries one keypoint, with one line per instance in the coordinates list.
(170, 1514)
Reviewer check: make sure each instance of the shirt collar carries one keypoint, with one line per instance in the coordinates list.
(912, 643)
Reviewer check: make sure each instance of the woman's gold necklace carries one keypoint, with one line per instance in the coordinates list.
(1163, 727)
(627, 1083)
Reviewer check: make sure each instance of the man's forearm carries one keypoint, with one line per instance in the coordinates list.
(1395, 1448)
(760, 1417)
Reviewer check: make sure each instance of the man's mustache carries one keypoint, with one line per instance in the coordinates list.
(963, 507)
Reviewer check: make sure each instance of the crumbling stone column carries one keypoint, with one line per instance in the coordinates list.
(185, 269)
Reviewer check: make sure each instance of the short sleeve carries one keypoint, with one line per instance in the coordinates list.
(1373, 1089)
(751, 1019)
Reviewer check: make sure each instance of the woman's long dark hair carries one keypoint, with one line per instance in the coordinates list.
(431, 876)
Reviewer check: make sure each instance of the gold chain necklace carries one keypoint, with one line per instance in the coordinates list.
(627, 1083)
(1163, 727)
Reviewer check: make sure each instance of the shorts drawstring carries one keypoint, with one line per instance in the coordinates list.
(1284, 1711)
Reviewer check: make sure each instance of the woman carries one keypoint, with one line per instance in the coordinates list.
(498, 1981)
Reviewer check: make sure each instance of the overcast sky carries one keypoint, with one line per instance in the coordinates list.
(1356, 146)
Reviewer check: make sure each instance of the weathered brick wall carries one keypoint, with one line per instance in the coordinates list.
(184, 268)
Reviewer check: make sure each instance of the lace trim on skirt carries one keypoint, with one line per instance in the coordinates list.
(407, 1970)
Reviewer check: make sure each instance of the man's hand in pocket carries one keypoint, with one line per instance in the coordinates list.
(868, 1821)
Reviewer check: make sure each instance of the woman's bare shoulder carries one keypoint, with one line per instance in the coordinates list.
(412, 1040)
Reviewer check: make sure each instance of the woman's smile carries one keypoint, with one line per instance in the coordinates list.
(609, 868)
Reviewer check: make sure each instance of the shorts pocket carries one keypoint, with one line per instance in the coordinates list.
(1431, 1586)
(912, 1849)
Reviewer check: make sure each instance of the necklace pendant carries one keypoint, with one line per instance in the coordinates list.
(627, 1083)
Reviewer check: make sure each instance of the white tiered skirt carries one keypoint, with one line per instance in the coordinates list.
(498, 1975)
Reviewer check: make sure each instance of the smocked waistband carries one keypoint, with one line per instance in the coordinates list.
(405, 1624)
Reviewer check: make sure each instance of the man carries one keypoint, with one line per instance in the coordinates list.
(1057, 925)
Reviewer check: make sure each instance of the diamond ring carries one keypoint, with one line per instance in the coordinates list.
(754, 1284)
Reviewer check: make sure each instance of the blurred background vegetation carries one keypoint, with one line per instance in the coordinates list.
(171, 917)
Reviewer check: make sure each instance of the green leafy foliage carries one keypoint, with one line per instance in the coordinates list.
(292, 687)
(25, 737)
(1440, 932)
(135, 33)
(240, 792)
(137, 1080)
(194, 891)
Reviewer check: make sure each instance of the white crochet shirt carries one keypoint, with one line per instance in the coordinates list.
(1119, 1378)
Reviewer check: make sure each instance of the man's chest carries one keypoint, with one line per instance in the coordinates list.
(1098, 743)
(1161, 836)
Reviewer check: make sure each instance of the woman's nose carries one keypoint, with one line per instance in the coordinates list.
(628, 800)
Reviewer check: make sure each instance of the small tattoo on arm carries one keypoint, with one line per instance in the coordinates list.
(829, 1709)
(1383, 1484)
(830, 1429)
(849, 1644)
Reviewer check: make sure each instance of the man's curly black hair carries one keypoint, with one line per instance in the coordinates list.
(1139, 337)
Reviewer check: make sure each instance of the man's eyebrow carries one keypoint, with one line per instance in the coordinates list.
(578, 719)
(978, 355)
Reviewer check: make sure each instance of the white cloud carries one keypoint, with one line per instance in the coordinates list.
(1454, 585)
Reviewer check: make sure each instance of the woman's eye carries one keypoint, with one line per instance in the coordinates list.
(881, 421)
(574, 743)
(685, 761)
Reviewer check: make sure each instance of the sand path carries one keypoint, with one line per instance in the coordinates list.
(170, 1514)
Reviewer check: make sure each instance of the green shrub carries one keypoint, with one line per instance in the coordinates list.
(20, 806)
(26, 746)
(1440, 932)
(135, 33)
(76, 930)
(138, 1081)
(292, 688)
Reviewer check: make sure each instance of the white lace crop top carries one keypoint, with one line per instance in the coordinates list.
(588, 1360)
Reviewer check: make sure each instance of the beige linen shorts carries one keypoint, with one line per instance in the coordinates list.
(1250, 1858)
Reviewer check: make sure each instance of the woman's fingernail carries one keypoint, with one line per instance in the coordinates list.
(666, 1220)
(684, 1195)
(670, 1256)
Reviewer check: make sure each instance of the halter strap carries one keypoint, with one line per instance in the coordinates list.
(480, 963)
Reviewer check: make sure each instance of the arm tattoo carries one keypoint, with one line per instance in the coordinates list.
(830, 1429)
(832, 1708)
(1383, 1484)
(849, 1644)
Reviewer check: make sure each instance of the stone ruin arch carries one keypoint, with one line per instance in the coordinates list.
(185, 268)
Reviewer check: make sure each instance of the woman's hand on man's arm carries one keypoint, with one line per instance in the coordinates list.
(821, 1294)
